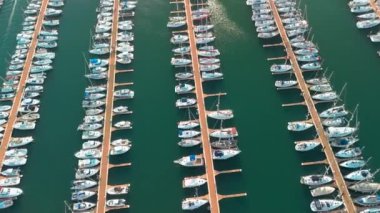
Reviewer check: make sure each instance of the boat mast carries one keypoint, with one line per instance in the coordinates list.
(67, 206)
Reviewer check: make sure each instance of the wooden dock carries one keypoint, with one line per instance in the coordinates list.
(107, 129)
(375, 7)
(21, 85)
(334, 166)
(207, 151)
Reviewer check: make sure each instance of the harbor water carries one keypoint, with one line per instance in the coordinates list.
(271, 167)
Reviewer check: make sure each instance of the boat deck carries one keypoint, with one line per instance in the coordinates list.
(338, 177)
(207, 151)
(16, 102)
(107, 130)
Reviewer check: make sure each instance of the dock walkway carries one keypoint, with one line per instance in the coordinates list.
(16, 102)
(207, 151)
(107, 130)
(338, 177)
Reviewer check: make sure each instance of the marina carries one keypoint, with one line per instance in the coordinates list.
(247, 84)
(337, 130)
(98, 104)
(201, 70)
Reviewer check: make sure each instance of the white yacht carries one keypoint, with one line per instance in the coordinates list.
(280, 68)
(82, 195)
(10, 192)
(22, 141)
(91, 144)
(327, 96)
(189, 142)
(359, 175)
(190, 182)
(349, 153)
(304, 146)
(322, 190)
(221, 114)
(335, 132)
(193, 203)
(82, 206)
(190, 161)
(10, 181)
(324, 205)
(118, 150)
(15, 161)
(224, 133)
(116, 202)
(353, 164)
(118, 190)
(334, 112)
(223, 154)
(88, 163)
(88, 153)
(315, 180)
(298, 126)
(187, 124)
(86, 172)
(83, 184)
(188, 133)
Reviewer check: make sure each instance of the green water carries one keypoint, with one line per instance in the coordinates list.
(271, 167)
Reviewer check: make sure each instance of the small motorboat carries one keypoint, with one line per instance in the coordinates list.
(285, 84)
(224, 133)
(368, 200)
(123, 125)
(189, 142)
(10, 192)
(324, 205)
(118, 190)
(353, 164)
(365, 187)
(121, 142)
(337, 111)
(221, 114)
(190, 161)
(359, 175)
(82, 195)
(280, 68)
(86, 172)
(343, 142)
(116, 202)
(298, 126)
(5, 203)
(88, 153)
(223, 154)
(187, 124)
(304, 146)
(82, 206)
(334, 122)
(10, 181)
(188, 133)
(10, 172)
(349, 153)
(315, 180)
(15, 161)
(88, 163)
(193, 203)
(326, 96)
(91, 144)
(118, 150)
(191, 182)
(336, 132)
(322, 190)
(185, 102)
(83, 184)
